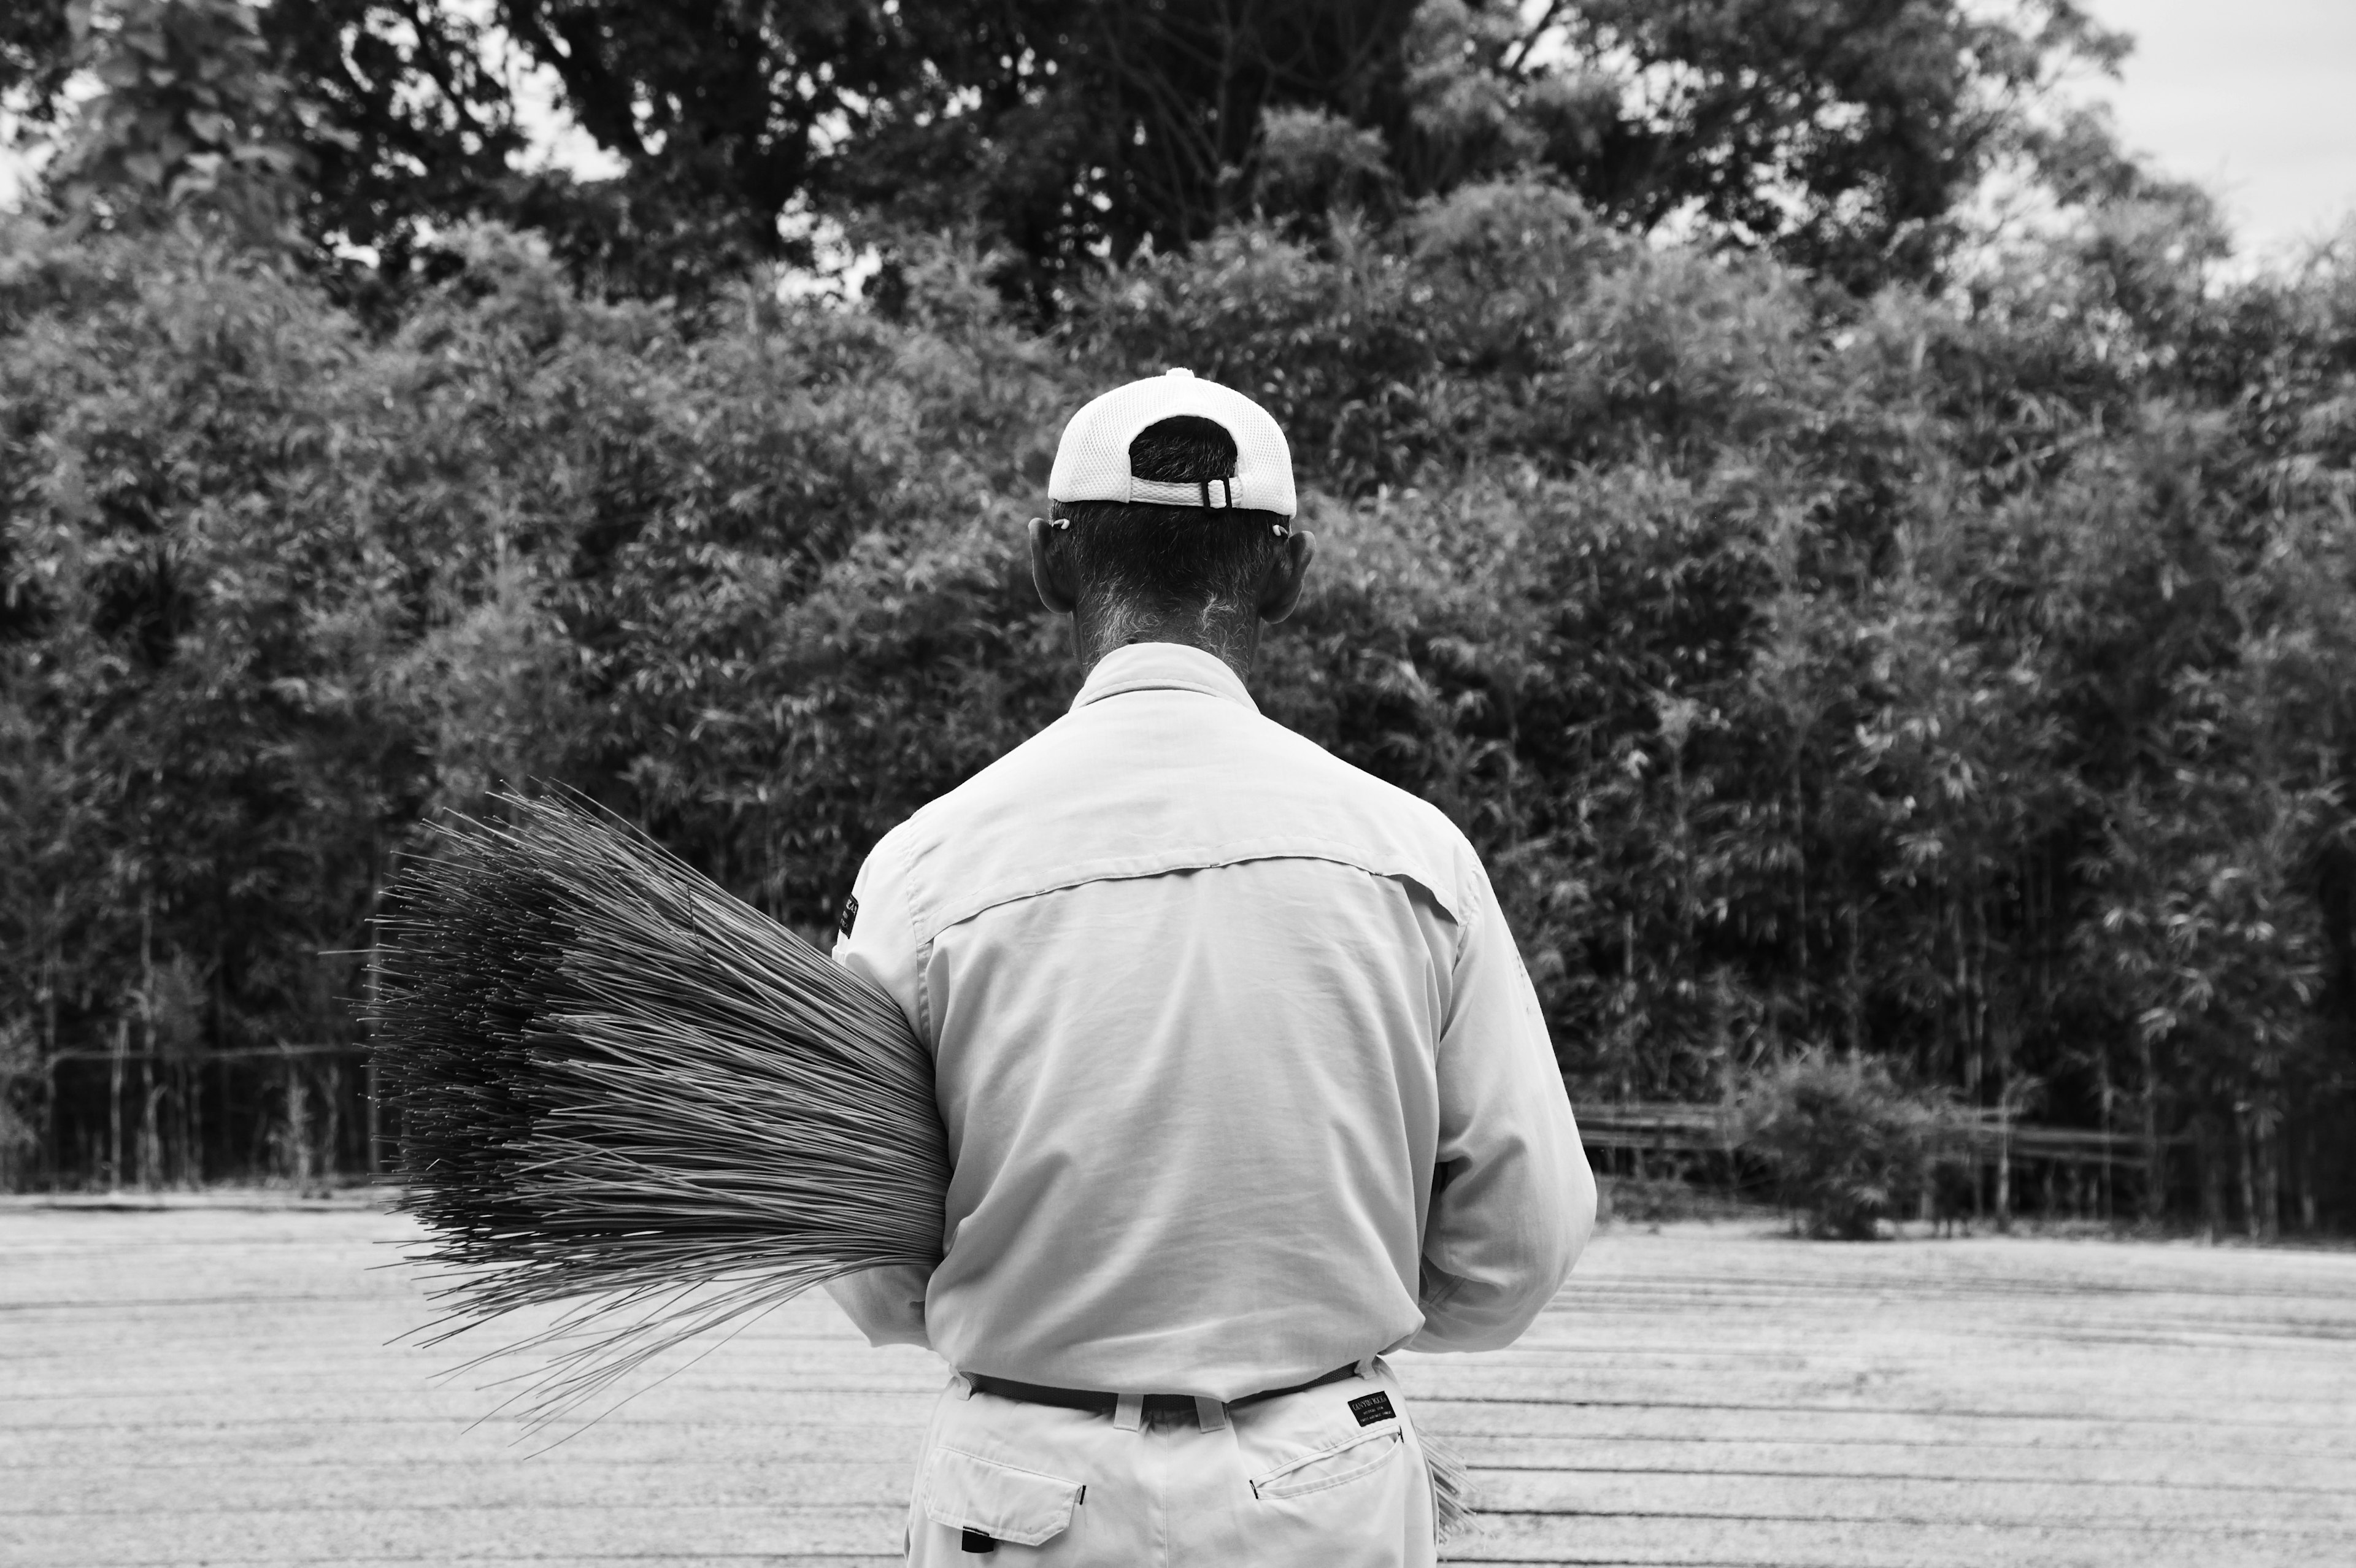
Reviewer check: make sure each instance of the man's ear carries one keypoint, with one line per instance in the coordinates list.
(1279, 591)
(1051, 577)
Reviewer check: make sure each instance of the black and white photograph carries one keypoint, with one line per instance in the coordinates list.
(1177, 784)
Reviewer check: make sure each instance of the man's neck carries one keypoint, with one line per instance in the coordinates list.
(1227, 635)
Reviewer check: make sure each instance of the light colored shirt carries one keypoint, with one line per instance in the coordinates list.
(1242, 1073)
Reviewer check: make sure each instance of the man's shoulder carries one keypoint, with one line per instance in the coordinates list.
(1001, 795)
(1010, 786)
(1071, 758)
(1135, 785)
(1343, 780)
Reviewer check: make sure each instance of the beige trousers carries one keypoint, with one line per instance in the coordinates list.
(1309, 1481)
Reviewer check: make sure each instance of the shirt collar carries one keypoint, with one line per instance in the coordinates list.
(1162, 666)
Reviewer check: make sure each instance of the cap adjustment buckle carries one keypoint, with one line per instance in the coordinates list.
(1183, 493)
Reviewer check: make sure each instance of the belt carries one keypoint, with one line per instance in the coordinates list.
(1170, 1404)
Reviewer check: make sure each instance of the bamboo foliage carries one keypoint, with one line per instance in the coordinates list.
(1956, 682)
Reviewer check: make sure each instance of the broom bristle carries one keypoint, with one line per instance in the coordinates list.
(1453, 1501)
(616, 1081)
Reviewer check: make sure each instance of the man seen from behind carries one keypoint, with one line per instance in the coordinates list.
(1244, 1081)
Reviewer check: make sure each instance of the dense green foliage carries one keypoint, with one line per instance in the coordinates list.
(1959, 686)
(1952, 678)
(1838, 135)
(1846, 1143)
(190, 116)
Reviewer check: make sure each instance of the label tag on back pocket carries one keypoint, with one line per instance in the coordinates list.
(1373, 1407)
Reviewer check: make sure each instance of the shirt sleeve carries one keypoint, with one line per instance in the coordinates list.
(887, 1304)
(1513, 1200)
(877, 942)
(876, 935)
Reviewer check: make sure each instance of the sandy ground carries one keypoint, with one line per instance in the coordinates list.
(214, 1384)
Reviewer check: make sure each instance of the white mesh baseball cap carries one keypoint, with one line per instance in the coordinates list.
(1092, 459)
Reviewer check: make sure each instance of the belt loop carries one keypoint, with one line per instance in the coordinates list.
(1128, 1412)
(961, 1384)
(1210, 1414)
(1367, 1368)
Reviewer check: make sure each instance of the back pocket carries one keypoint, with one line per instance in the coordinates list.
(1359, 1456)
(1005, 1502)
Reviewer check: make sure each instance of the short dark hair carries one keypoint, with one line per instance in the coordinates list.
(1172, 558)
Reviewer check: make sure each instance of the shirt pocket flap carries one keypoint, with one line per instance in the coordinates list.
(966, 1491)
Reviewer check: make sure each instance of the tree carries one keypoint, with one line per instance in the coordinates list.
(1065, 131)
(35, 59)
(408, 119)
(396, 108)
(1842, 136)
(193, 119)
(1816, 672)
(1846, 1140)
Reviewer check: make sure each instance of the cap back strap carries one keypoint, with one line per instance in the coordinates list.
(1155, 492)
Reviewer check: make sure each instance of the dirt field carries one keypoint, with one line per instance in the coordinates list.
(214, 1386)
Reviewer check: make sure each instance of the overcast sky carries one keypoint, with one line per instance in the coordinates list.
(2254, 99)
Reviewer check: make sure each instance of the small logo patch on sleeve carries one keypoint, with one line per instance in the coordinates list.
(850, 916)
(1373, 1407)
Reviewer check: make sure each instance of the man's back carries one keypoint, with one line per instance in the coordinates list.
(1210, 1009)
(1243, 1082)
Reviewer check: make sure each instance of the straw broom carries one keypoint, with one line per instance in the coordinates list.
(626, 1092)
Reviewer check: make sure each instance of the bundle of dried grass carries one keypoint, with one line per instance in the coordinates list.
(1454, 1508)
(623, 1090)
(626, 1093)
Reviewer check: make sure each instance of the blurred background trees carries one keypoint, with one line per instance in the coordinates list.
(1067, 134)
(1879, 654)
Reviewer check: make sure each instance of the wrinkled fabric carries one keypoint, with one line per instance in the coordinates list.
(1295, 1482)
(1242, 1074)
